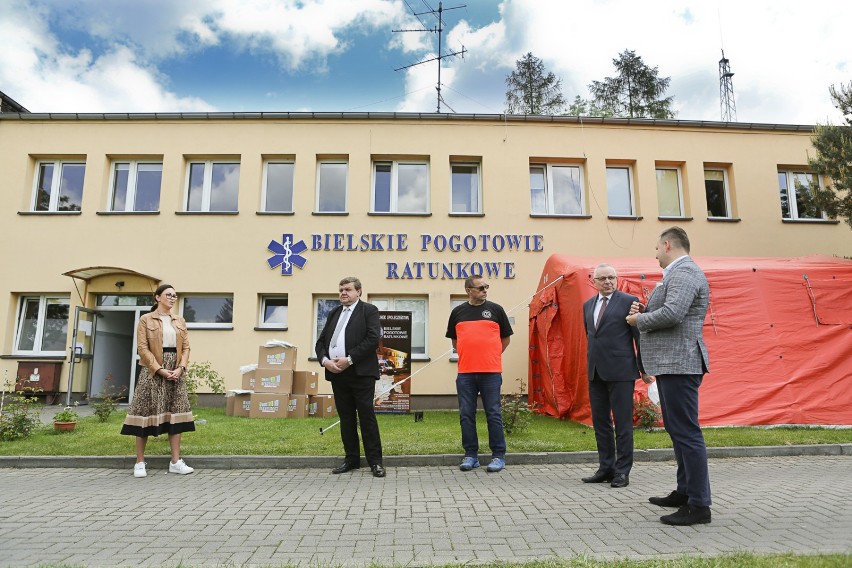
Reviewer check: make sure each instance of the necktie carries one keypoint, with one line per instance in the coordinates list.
(600, 313)
(341, 324)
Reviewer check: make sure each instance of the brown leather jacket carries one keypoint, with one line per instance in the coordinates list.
(149, 341)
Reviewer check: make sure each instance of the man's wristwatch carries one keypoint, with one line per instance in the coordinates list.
(349, 358)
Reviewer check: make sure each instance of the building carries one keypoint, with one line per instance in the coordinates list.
(254, 218)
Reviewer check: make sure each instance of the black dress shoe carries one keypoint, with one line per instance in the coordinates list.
(378, 470)
(673, 499)
(599, 477)
(346, 466)
(620, 480)
(687, 515)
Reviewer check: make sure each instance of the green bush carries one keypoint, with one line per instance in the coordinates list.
(18, 412)
(108, 401)
(202, 374)
(517, 413)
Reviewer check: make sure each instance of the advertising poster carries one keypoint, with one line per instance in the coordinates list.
(394, 355)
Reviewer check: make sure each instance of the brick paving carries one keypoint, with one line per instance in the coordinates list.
(417, 516)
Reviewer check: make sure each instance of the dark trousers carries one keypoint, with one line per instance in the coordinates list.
(354, 399)
(612, 402)
(679, 403)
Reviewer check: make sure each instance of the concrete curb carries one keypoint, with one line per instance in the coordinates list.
(443, 460)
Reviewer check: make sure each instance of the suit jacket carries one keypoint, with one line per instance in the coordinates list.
(362, 339)
(612, 347)
(671, 337)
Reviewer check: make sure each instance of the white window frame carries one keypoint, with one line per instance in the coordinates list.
(261, 323)
(39, 335)
(549, 193)
(679, 192)
(630, 191)
(725, 190)
(320, 164)
(319, 322)
(207, 325)
(55, 184)
(265, 187)
(478, 167)
(389, 305)
(792, 203)
(393, 206)
(207, 186)
(456, 301)
(132, 178)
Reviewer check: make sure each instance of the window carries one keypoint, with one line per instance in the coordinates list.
(208, 312)
(556, 190)
(669, 195)
(419, 308)
(322, 307)
(59, 186)
(400, 187)
(273, 312)
(331, 187)
(42, 327)
(454, 302)
(466, 189)
(716, 188)
(136, 186)
(800, 205)
(619, 191)
(213, 186)
(278, 187)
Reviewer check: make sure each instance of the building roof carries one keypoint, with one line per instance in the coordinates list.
(403, 116)
(7, 104)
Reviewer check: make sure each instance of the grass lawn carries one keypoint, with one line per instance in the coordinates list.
(438, 433)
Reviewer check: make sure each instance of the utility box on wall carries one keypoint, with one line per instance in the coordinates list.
(42, 375)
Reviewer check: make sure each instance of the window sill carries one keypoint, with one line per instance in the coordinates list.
(812, 221)
(466, 214)
(667, 218)
(548, 216)
(275, 213)
(271, 328)
(625, 217)
(724, 219)
(202, 327)
(382, 214)
(50, 212)
(207, 212)
(331, 213)
(127, 212)
(34, 357)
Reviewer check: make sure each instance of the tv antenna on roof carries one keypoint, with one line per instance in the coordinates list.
(439, 29)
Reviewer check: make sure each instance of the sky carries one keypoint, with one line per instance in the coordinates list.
(101, 56)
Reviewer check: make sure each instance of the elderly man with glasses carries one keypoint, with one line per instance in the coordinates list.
(480, 332)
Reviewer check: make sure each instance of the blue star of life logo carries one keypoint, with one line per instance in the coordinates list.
(286, 254)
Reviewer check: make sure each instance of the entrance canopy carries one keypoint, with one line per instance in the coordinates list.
(778, 331)
(87, 274)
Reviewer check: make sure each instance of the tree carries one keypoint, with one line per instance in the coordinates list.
(635, 92)
(531, 91)
(585, 107)
(833, 145)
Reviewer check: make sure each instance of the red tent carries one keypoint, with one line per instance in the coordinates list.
(779, 334)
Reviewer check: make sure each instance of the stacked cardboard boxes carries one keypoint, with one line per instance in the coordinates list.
(273, 388)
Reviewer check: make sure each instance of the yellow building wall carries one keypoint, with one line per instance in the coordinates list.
(220, 253)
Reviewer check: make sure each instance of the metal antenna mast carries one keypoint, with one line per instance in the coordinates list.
(439, 29)
(726, 90)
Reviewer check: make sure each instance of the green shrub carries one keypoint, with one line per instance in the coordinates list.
(108, 401)
(517, 413)
(202, 374)
(18, 412)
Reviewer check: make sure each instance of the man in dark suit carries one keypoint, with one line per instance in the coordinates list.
(673, 349)
(613, 370)
(347, 349)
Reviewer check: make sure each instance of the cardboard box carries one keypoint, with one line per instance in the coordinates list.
(297, 406)
(305, 382)
(322, 406)
(238, 404)
(277, 357)
(268, 405)
(268, 380)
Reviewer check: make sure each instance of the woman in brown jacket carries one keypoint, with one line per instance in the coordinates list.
(160, 402)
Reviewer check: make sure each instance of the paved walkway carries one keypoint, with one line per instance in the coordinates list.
(414, 517)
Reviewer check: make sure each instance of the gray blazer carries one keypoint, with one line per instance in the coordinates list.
(670, 328)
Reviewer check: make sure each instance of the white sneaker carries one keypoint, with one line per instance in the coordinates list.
(180, 467)
(139, 470)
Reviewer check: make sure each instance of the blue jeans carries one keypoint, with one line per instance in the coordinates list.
(486, 385)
